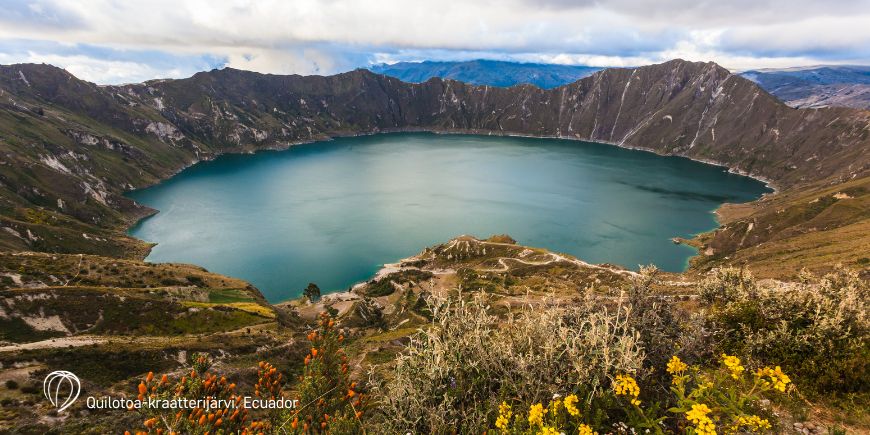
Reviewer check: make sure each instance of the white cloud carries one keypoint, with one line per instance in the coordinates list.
(326, 36)
(97, 70)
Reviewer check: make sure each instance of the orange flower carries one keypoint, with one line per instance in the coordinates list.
(142, 388)
(313, 352)
(149, 377)
(163, 379)
(351, 393)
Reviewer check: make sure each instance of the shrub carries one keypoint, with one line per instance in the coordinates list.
(328, 401)
(312, 292)
(11, 384)
(229, 416)
(454, 373)
(724, 400)
(727, 285)
(816, 329)
(658, 323)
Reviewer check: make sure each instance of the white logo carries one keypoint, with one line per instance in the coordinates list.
(61, 388)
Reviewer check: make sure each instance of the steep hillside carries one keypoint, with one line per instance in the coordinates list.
(70, 148)
(487, 72)
(813, 228)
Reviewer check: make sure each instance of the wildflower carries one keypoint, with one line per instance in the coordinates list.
(584, 429)
(698, 416)
(752, 422)
(733, 364)
(555, 404)
(536, 415)
(571, 405)
(504, 416)
(675, 366)
(776, 377)
(625, 385)
(546, 430)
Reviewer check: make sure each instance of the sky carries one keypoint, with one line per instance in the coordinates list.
(115, 41)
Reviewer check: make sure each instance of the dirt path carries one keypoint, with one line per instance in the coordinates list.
(53, 343)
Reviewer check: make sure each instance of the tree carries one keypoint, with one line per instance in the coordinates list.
(312, 292)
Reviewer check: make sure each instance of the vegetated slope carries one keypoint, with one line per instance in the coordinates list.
(822, 86)
(777, 236)
(58, 295)
(487, 72)
(70, 148)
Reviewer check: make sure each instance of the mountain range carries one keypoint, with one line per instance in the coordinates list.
(487, 72)
(70, 148)
(821, 86)
(817, 86)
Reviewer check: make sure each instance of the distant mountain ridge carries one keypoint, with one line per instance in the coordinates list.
(69, 148)
(487, 72)
(818, 86)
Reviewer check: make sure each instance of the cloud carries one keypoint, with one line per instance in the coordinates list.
(327, 36)
(105, 65)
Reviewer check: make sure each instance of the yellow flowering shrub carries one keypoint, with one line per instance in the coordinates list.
(706, 402)
(626, 386)
(725, 397)
(558, 417)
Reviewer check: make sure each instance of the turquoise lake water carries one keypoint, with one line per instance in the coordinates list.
(333, 212)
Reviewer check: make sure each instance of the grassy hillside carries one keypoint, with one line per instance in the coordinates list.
(815, 227)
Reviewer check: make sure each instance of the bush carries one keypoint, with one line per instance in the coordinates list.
(328, 401)
(312, 292)
(722, 400)
(658, 323)
(11, 384)
(816, 329)
(454, 373)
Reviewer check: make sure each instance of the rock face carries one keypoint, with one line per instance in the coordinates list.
(69, 148)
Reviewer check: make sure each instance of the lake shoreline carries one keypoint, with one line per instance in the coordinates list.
(613, 160)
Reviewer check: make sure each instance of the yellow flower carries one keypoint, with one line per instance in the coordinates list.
(504, 416)
(752, 422)
(584, 429)
(536, 415)
(698, 416)
(554, 406)
(776, 377)
(625, 385)
(571, 405)
(546, 430)
(733, 364)
(675, 366)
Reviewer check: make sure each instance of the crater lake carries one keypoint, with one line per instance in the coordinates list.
(333, 212)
